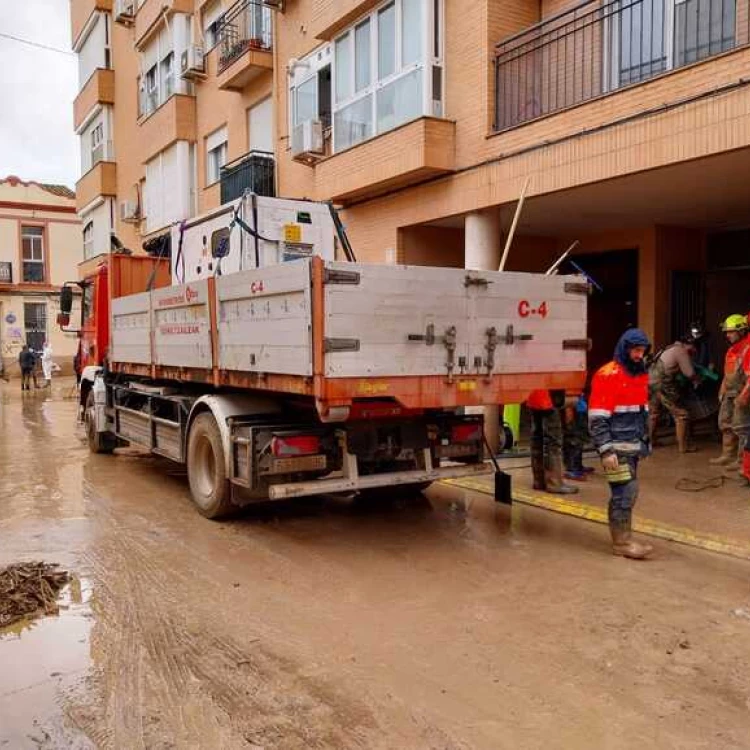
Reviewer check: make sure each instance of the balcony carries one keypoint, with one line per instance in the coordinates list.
(328, 18)
(151, 12)
(175, 120)
(597, 49)
(244, 45)
(409, 154)
(99, 89)
(100, 180)
(252, 172)
(80, 12)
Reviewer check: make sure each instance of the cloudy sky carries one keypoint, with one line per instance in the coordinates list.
(37, 88)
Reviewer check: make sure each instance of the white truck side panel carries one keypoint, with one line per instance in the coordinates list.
(131, 329)
(182, 325)
(389, 304)
(264, 320)
(392, 302)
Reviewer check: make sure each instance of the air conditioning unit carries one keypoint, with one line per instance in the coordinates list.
(307, 140)
(192, 63)
(129, 211)
(125, 11)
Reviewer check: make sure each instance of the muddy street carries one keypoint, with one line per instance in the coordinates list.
(433, 622)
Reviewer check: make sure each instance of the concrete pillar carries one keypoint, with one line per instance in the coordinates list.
(482, 250)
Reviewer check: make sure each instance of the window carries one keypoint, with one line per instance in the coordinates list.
(88, 240)
(387, 70)
(306, 101)
(212, 20)
(152, 90)
(32, 246)
(87, 301)
(260, 126)
(311, 90)
(216, 155)
(167, 77)
(35, 324)
(97, 144)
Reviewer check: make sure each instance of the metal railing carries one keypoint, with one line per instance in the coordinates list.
(254, 172)
(246, 25)
(599, 47)
(6, 272)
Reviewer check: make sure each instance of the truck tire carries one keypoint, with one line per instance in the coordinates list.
(99, 442)
(206, 468)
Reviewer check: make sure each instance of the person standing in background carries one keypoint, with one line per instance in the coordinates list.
(546, 442)
(47, 364)
(26, 361)
(735, 329)
(618, 423)
(575, 435)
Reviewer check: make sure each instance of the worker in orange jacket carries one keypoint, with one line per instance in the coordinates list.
(735, 329)
(546, 442)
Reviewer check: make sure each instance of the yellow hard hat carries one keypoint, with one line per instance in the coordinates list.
(734, 323)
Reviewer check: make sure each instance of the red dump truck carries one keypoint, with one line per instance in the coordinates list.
(273, 370)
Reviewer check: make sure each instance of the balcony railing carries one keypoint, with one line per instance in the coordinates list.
(597, 48)
(6, 272)
(252, 172)
(246, 25)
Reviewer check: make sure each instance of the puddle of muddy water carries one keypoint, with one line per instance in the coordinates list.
(39, 661)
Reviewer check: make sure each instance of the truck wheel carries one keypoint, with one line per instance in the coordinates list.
(206, 469)
(99, 442)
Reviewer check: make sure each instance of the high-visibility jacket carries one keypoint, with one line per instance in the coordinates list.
(618, 411)
(734, 375)
(540, 400)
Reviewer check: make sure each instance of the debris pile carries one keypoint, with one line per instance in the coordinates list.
(29, 590)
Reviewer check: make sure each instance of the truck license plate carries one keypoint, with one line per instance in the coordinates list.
(301, 463)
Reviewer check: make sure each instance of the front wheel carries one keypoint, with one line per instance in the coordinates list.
(206, 468)
(99, 442)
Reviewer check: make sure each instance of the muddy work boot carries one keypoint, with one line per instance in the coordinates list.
(729, 447)
(554, 478)
(623, 544)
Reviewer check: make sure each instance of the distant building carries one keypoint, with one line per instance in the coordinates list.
(40, 248)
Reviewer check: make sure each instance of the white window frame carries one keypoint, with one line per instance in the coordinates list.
(88, 239)
(36, 247)
(166, 77)
(216, 156)
(425, 64)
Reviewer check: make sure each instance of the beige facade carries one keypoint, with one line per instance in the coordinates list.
(421, 116)
(40, 248)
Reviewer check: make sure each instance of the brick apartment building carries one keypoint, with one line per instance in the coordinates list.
(423, 119)
(40, 249)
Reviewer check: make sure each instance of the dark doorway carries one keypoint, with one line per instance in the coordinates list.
(613, 307)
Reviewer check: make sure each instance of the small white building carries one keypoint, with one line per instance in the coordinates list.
(41, 244)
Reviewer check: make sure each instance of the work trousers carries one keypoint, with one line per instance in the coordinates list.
(735, 418)
(575, 434)
(664, 391)
(624, 496)
(546, 435)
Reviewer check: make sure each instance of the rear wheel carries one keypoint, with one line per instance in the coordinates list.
(206, 468)
(99, 442)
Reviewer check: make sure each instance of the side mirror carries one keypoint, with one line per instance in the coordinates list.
(66, 302)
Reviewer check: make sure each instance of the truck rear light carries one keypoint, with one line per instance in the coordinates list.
(295, 445)
(466, 433)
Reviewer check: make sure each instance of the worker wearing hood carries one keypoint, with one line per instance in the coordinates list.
(618, 423)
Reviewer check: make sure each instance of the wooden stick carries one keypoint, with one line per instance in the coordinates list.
(553, 268)
(512, 231)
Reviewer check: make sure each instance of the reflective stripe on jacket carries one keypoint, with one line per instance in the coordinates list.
(618, 411)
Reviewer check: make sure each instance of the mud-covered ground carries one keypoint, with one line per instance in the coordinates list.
(441, 622)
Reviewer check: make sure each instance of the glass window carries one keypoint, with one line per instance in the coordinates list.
(35, 324)
(411, 31)
(88, 240)
(306, 104)
(344, 68)
(400, 101)
(362, 56)
(216, 159)
(387, 41)
(152, 90)
(353, 124)
(167, 77)
(33, 253)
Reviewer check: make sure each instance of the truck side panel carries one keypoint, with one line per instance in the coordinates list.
(182, 326)
(264, 320)
(131, 329)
